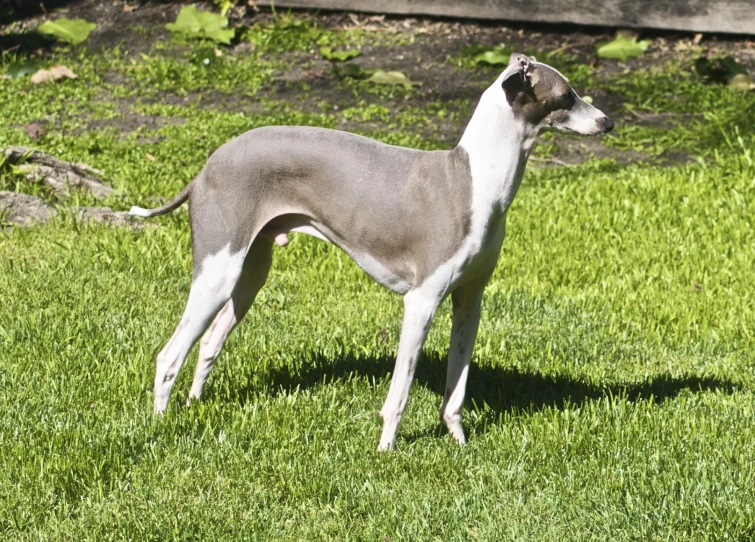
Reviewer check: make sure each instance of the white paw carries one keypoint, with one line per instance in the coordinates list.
(456, 430)
(388, 446)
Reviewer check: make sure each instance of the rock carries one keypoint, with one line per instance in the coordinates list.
(60, 175)
(24, 210)
(106, 214)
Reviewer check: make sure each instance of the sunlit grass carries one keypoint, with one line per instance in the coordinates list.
(611, 392)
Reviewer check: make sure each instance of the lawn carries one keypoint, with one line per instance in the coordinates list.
(612, 390)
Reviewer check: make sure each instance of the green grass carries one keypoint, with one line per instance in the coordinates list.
(290, 33)
(611, 395)
(712, 111)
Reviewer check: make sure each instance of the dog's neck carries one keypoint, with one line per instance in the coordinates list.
(498, 145)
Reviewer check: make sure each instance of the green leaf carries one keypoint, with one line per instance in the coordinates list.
(22, 68)
(741, 81)
(474, 50)
(492, 58)
(224, 5)
(352, 70)
(623, 48)
(732, 66)
(338, 56)
(194, 23)
(723, 70)
(71, 31)
(382, 77)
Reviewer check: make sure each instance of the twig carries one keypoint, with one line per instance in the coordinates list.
(647, 116)
(12, 49)
(553, 160)
(561, 49)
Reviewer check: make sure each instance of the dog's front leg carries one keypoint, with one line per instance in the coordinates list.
(466, 302)
(419, 309)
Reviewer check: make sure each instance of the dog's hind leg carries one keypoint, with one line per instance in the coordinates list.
(253, 276)
(419, 309)
(466, 303)
(214, 281)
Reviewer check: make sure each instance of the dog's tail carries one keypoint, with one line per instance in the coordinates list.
(172, 205)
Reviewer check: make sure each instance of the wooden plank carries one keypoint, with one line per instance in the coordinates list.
(719, 16)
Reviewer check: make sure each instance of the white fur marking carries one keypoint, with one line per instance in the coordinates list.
(138, 211)
(419, 309)
(310, 230)
(210, 290)
(498, 146)
(215, 271)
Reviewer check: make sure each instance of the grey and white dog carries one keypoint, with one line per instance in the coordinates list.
(424, 224)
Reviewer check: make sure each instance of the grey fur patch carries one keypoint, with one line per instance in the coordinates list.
(408, 209)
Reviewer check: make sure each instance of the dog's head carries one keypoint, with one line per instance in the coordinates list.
(543, 98)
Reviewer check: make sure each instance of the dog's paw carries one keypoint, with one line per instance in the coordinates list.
(456, 430)
(386, 446)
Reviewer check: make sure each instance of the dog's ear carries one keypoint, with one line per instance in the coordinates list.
(516, 76)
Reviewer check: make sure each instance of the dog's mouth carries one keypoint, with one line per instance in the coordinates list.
(569, 131)
(572, 132)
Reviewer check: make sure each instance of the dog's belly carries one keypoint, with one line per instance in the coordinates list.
(379, 273)
(279, 228)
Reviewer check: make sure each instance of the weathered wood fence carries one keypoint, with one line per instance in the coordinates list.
(719, 16)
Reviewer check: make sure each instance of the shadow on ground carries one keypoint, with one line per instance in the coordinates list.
(501, 389)
(24, 42)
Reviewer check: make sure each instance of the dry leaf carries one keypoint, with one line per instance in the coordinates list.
(314, 74)
(53, 74)
(697, 38)
(129, 9)
(33, 130)
(354, 19)
(42, 76)
(150, 157)
(61, 71)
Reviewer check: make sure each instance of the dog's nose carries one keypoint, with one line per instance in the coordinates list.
(608, 123)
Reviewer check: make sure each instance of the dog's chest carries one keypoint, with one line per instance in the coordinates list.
(475, 260)
(485, 248)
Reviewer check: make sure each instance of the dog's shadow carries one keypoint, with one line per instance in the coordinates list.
(501, 389)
